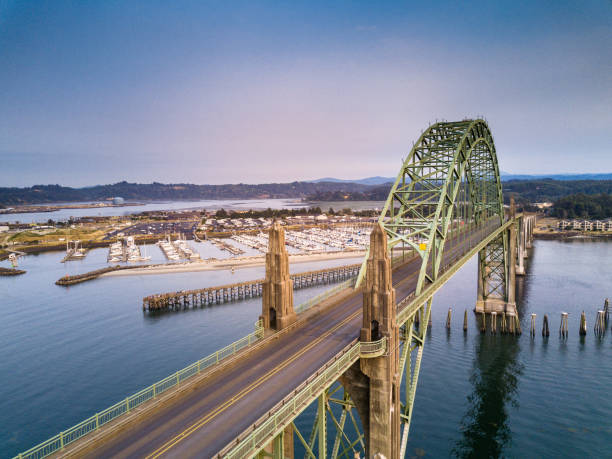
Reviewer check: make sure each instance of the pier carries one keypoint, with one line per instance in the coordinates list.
(243, 290)
(74, 251)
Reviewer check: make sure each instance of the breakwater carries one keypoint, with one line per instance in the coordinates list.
(11, 271)
(78, 278)
(243, 290)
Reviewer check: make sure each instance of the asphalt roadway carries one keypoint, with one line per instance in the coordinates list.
(204, 421)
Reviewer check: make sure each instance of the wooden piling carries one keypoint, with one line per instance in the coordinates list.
(503, 326)
(493, 323)
(465, 321)
(448, 318)
(483, 323)
(563, 328)
(533, 326)
(583, 325)
(600, 323)
(545, 330)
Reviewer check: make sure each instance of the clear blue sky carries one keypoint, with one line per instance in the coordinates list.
(226, 91)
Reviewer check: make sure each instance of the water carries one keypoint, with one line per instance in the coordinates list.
(67, 353)
(229, 204)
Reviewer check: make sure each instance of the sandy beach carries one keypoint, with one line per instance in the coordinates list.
(236, 263)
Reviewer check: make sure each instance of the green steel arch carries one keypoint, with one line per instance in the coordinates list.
(449, 183)
(449, 179)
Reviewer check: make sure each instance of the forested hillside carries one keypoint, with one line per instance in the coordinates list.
(159, 191)
(597, 206)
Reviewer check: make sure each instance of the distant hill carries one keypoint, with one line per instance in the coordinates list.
(563, 177)
(173, 191)
(523, 191)
(377, 180)
(531, 189)
(505, 176)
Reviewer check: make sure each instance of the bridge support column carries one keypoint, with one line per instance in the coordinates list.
(522, 249)
(277, 304)
(379, 314)
(279, 448)
(497, 273)
(510, 308)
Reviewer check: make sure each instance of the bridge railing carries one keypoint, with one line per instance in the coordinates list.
(93, 423)
(324, 295)
(372, 349)
(252, 441)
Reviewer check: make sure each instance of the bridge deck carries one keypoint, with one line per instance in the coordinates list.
(209, 417)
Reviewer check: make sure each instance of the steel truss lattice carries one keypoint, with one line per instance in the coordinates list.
(449, 183)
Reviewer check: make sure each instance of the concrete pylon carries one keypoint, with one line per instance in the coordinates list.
(379, 314)
(277, 303)
(522, 248)
(507, 303)
(512, 253)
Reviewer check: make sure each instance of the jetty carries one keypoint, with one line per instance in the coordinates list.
(11, 271)
(241, 291)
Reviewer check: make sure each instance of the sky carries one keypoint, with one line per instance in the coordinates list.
(217, 92)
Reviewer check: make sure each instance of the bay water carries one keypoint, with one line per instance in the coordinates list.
(66, 353)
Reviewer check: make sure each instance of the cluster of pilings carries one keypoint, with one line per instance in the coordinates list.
(498, 322)
(602, 318)
(241, 291)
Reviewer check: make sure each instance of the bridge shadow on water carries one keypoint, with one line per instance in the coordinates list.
(495, 379)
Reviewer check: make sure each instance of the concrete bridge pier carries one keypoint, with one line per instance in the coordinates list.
(522, 248)
(529, 223)
(277, 304)
(374, 383)
(525, 241)
(492, 297)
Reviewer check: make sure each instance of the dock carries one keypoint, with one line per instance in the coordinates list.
(241, 291)
(74, 251)
(222, 245)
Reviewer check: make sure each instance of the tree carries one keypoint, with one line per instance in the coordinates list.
(221, 213)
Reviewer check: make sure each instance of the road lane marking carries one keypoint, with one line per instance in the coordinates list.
(201, 422)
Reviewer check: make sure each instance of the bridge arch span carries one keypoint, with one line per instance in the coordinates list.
(451, 175)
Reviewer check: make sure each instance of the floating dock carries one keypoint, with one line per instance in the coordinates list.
(240, 291)
(74, 251)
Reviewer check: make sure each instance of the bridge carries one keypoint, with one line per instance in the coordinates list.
(353, 353)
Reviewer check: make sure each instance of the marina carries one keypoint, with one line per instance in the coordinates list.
(315, 239)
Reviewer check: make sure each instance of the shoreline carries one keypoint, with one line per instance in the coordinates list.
(571, 235)
(236, 263)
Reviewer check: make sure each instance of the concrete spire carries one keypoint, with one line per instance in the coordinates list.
(277, 304)
(379, 314)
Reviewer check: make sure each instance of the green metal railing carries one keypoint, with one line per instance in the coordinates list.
(291, 406)
(373, 349)
(92, 424)
(324, 295)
